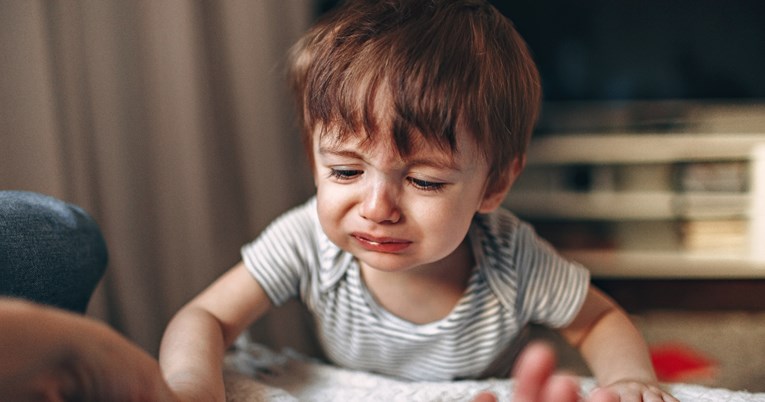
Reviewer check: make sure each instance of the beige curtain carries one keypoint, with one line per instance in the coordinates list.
(168, 121)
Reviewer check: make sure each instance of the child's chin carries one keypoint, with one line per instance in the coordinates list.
(385, 262)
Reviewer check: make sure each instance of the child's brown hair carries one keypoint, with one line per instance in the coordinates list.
(444, 64)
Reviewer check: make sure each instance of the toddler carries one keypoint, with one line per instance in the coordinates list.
(416, 115)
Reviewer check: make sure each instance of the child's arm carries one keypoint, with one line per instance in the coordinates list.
(192, 349)
(614, 349)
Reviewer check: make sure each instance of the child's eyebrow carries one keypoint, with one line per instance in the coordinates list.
(325, 150)
(438, 162)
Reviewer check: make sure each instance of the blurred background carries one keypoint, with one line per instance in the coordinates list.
(169, 121)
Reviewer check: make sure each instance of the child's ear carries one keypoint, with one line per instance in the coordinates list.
(495, 194)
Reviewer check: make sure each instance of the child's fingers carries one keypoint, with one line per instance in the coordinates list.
(560, 388)
(603, 395)
(485, 397)
(532, 371)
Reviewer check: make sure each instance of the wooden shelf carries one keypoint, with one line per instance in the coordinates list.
(617, 206)
(622, 193)
(641, 148)
(611, 264)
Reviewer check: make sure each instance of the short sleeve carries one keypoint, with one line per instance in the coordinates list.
(279, 258)
(528, 276)
(551, 289)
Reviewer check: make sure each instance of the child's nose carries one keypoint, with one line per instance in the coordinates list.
(380, 204)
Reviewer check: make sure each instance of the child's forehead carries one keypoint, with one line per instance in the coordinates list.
(418, 145)
(374, 113)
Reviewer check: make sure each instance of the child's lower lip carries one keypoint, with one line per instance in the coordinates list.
(382, 245)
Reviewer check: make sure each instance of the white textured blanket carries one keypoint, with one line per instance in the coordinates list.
(258, 374)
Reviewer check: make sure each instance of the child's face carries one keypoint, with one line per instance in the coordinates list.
(395, 213)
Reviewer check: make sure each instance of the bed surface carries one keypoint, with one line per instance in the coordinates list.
(257, 374)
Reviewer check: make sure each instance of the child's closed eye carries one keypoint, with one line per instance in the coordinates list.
(344, 174)
(426, 185)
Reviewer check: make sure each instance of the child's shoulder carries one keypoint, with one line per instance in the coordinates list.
(505, 239)
(500, 224)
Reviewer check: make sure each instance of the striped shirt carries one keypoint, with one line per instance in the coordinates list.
(518, 278)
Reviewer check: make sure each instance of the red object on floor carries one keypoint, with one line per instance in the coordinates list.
(676, 362)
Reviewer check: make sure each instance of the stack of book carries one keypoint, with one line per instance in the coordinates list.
(647, 193)
(718, 220)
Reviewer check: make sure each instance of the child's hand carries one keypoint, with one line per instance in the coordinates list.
(535, 381)
(638, 391)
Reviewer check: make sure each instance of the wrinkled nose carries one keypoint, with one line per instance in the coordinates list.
(380, 204)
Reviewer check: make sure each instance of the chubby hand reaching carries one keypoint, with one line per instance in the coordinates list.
(535, 381)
